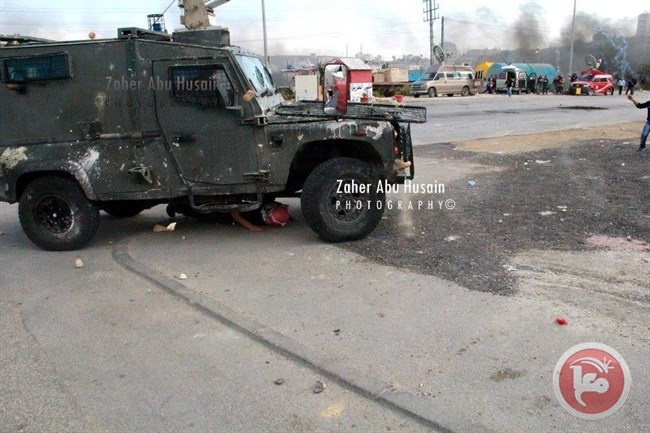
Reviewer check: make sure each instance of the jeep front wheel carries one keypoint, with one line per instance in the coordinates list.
(56, 215)
(340, 201)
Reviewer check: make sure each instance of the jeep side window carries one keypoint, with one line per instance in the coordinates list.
(18, 70)
(205, 85)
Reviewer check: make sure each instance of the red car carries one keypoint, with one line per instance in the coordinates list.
(593, 82)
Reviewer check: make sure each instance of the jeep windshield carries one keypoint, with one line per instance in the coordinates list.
(258, 76)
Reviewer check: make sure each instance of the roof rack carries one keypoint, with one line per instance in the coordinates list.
(138, 33)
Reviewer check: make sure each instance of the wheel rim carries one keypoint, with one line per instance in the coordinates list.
(346, 208)
(54, 215)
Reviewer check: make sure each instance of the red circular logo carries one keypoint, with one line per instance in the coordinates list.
(591, 381)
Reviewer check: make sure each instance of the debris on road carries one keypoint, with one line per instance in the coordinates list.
(319, 387)
(561, 321)
(159, 228)
(182, 277)
(279, 381)
(547, 213)
(539, 161)
(78, 263)
(451, 238)
(509, 268)
(471, 183)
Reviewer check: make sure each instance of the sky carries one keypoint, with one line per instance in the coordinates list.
(390, 28)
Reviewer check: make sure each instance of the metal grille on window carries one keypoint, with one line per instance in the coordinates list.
(36, 68)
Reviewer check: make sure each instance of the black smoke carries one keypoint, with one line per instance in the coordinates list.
(588, 26)
(527, 30)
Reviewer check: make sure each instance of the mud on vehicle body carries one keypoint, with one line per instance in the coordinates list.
(124, 124)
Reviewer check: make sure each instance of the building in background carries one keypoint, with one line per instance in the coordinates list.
(643, 26)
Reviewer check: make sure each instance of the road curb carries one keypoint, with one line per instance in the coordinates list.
(363, 384)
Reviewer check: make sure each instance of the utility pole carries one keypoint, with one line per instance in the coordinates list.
(442, 33)
(573, 36)
(430, 16)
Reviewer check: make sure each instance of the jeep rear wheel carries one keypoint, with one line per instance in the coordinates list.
(337, 203)
(56, 215)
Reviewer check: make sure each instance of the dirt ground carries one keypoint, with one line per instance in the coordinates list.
(559, 192)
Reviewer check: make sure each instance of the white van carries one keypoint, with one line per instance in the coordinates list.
(447, 80)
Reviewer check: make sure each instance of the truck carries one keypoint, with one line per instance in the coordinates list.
(184, 119)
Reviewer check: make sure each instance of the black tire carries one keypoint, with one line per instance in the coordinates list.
(432, 92)
(56, 215)
(336, 216)
(123, 210)
(465, 91)
(450, 95)
(416, 96)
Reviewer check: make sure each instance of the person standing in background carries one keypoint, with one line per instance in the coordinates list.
(620, 84)
(510, 82)
(630, 86)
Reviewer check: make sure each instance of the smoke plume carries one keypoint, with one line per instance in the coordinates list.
(527, 28)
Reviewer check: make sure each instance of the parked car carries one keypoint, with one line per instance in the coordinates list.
(447, 80)
(599, 84)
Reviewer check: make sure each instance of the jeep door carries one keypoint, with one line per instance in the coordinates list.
(195, 108)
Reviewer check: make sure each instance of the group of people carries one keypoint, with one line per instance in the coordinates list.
(628, 85)
(541, 84)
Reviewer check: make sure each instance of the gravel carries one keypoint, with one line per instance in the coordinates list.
(554, 199)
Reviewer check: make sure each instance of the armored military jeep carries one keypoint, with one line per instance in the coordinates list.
(124, 124)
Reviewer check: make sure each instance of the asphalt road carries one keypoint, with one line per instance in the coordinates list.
(123, 344)
(484, 115)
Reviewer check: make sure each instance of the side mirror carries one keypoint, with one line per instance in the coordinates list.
(335, 90)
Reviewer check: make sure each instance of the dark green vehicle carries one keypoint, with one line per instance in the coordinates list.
(124, 124)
